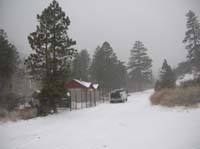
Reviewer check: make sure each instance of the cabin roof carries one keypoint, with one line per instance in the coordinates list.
(86, 84)
(80, 84)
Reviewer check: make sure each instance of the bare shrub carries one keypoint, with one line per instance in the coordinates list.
(17, 114)
(26, 113)
(177, 97)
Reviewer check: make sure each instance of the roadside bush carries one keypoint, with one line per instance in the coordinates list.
(177, 97)
(6, 115)
(17, 114)
(26, 113)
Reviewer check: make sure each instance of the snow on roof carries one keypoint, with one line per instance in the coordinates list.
(95, 86)
(86, 84)
(116, 90)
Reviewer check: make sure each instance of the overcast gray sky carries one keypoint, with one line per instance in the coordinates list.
(159, 24)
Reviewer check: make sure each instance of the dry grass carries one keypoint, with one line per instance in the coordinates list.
(17, 114)
(177, 97)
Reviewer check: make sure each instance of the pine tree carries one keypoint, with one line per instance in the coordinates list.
(167, 77)
(183, 68)
(139, 65)
(9, 59)
(121, 75)
(106, 69)
(52, 54)
(81, 66)
(192, 39)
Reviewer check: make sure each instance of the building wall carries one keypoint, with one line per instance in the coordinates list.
(81, 97)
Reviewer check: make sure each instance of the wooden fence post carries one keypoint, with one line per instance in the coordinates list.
(86, 97)
(94, 98)
(81, 99)
(70, 100)
(76, 97)
(90, 98)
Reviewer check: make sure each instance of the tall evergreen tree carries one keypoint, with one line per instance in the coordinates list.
(192, 39)
(183, 68)
(121, 74)
(139, 65)
(167, 77)
(9, 59)
(52, 53)
(106, 69)
(81, 66)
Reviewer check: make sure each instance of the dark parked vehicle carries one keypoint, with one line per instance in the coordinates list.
(118, 95)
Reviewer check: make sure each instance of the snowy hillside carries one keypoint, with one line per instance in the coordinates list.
(132, 125)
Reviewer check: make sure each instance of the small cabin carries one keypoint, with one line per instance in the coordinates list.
(83, 94)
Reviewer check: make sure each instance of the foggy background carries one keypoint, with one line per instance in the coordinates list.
(159, 24)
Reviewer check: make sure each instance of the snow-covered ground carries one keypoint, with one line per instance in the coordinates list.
(132, 125)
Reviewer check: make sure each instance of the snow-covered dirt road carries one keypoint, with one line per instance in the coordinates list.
(132, 125)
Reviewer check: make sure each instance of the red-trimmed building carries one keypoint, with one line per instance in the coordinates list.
(83, 94)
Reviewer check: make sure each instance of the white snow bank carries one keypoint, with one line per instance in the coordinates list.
(132, 125)
(184, 78)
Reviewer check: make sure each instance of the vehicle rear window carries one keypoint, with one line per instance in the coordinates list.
(115, 95)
